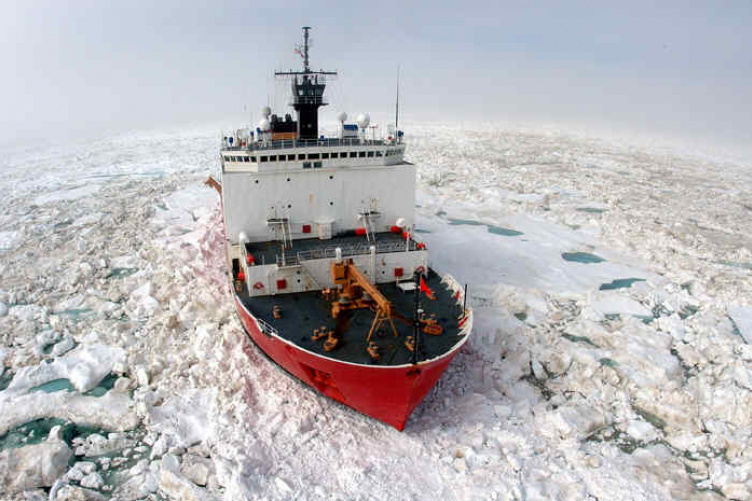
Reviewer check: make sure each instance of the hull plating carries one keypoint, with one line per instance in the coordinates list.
(387, 393)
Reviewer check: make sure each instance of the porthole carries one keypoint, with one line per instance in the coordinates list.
(256, 181)
(289, 206)
(288, 179)
(331, 177)
(331, 203)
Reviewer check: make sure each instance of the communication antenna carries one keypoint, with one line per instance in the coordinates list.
(396, 111)
(306, 66)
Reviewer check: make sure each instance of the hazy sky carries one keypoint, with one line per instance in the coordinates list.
(76, 68)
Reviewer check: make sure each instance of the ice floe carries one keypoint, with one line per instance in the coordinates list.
(623, 377)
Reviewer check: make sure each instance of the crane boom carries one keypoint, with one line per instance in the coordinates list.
(358, 292)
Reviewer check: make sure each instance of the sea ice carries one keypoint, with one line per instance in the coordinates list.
(9, 240)
(183, 417)
(33, 466)
(742, 316)
(85, 367)
(116, 264)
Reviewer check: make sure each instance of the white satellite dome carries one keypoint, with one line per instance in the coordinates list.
(264, 125)
(342, 116)
(266, 111)
(363, 120)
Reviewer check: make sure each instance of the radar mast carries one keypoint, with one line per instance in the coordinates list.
(307, 91)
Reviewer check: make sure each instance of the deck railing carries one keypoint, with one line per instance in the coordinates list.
(266, 328)
(309, 143)
(293, 258)
(456, 287)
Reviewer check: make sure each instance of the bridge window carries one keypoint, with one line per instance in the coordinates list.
(272, 158)
(313, 156)
(370, 154)
(317, 165)
(325, 155)
(253, 159)
(353, 154)
(362, 154)
(263, 158)
(301, 156)
(290, 158)
(306, 165)
(379, 154)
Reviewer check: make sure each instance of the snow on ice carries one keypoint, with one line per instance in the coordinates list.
(612, 288)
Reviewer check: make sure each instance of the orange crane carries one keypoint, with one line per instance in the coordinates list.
(358, 292)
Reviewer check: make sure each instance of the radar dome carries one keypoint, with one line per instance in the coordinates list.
(264, 125)
(363, 120)
(266, 111)
(342, 116)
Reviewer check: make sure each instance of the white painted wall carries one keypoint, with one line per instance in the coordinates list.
(336, 193)
(316, 274)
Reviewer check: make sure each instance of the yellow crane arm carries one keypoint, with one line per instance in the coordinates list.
(358, 278)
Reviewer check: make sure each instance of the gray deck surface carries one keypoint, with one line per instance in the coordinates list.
(303, 312)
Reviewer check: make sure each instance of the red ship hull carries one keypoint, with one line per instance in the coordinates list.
(387, 393)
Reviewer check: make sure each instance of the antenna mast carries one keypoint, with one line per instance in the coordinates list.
(307, 91)
(396, 111)
(306, 67)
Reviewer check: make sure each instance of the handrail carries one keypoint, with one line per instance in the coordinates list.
(310, 143)
(292, 258)
(450, 282)
(266, 328)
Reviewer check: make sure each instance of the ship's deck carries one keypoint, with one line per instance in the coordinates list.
(303, 312)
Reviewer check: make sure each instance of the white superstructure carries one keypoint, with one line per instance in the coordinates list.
(294, 201)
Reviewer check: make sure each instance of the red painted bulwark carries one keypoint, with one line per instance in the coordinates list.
(388, 394)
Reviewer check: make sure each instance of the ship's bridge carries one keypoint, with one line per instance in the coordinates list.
(293, 154)
(328, 142)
